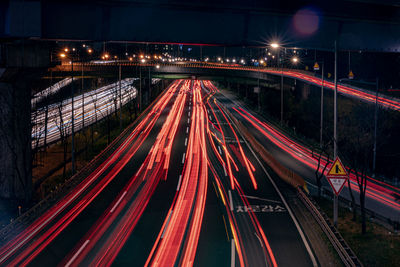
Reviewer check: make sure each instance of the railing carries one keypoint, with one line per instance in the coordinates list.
(342, 248)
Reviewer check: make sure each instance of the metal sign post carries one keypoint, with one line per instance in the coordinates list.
(337, 177)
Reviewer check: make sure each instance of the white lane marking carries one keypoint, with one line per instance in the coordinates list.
(186, 141)
(189, 107)
(259, 239)
(183, 158)
(188, 120)
(119, 200)
(77, 253)
(219, 149)
(210, 117)
(187, 129)
(213, 125)
(179, 183)
(166, 226)
(225, 170)
(314, 261)
(189, 113)
(263, 199)
(233, 253)
(230, 200)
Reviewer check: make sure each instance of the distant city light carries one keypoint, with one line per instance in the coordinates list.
(62, 55)
(295, 59)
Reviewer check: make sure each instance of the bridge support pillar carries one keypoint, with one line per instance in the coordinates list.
(15, 136)
(21, 62)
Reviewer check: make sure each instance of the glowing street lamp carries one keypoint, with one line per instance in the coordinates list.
(295, 60)
(90, 50)
(66, 50)
(275, 45)
(62, 55)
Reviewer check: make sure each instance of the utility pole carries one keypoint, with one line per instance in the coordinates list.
(259, 90)
(140, 88)
(335, 198)
(280, 64)
(375, 127)
(72, 120)
(83, 101)
(120, 99)
(322, 107)
(149, 98)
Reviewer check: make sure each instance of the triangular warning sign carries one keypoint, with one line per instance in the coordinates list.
(337, 169)
(337, 183)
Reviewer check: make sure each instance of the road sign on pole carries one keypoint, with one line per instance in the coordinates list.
(337, 176)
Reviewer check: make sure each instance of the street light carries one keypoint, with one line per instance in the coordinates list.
(62, 55)
(295, 60)
(275, 45)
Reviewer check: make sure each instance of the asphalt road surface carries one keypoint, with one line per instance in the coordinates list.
(182, 188)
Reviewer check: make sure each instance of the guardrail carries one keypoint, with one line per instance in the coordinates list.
(390, 224)
(342, 248)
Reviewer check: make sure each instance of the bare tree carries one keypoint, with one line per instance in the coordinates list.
(319, 175)
(59, 121)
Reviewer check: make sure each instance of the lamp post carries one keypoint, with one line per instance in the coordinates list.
(335, 198)
(375, 127)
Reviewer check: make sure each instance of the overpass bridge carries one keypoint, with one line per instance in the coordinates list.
(206, 70)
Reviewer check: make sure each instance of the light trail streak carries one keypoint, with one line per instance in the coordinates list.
(38, 244)
(140, 190)
(381, 193)
(188, 207)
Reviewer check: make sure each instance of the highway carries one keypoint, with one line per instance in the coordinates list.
(382, 198)
(180, 188)
(89, 108)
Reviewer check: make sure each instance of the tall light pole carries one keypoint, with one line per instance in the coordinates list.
(322, 106)
(335, 198)
(375, 127)
(275, 45)
(72, 120)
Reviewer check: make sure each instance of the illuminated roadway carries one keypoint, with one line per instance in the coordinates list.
(89, 108)
(381, 198)
(180, 188)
